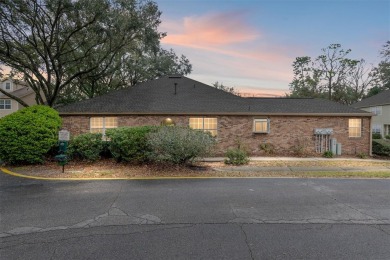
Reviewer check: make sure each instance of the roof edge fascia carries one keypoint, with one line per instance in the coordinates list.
(213, 113)
(380, 104)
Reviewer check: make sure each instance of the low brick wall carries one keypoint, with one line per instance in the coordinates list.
(286, 132)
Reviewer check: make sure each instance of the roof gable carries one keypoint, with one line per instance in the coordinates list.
(380, 99)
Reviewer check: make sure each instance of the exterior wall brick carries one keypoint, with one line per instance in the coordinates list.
(286, 132)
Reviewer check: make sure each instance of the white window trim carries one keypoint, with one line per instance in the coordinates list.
(10, 86)
(4, 104)
(261, 120)
(377, 111)
(377, 127)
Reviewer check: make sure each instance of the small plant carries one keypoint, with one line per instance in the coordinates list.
(236, 156)
(268, 148)
(387, 136)
(179, 145)
(361, 155)
(328, 154)
(376, 136)
(300, 146)
(86, 146)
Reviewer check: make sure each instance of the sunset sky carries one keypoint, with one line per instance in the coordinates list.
(251, 45)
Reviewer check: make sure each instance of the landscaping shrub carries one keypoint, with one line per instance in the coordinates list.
(268, 148)
(179, 145)
(387, 136)
(236, 156)
(28, 134)
(129, 143)
(328, 154)
(300, 147)
(376, 136)
(381, 147)
(86, 146)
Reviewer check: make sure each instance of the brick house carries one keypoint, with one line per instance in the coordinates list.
(289, 124)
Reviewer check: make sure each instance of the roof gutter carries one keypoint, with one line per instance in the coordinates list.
(215, 113)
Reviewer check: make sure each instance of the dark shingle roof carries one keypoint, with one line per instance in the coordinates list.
(193, 97)
(383, 98)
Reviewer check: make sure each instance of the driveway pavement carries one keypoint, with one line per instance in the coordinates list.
(195, 219)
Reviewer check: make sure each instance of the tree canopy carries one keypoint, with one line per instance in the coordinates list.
(231, 90)
(67, 50)
(331, 75)
(382, 72)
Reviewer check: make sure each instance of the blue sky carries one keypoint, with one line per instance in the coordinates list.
(251, 44)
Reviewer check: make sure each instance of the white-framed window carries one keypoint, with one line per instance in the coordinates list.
(5, 104)
(376, 110)
(376, 128)
(207, 124)
(355, 127)
(8, 86)
(261, 125)
(100, 124)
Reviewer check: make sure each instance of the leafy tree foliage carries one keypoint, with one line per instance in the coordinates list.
(231, 90)
(28, 134)
(331, 75)
(82, 47)
(382, 72)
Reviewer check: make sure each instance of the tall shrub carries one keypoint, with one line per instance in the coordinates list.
(86, 146)
(28, 134)
(179, 145)
(129, 143)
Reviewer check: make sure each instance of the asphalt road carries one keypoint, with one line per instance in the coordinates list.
(195, 219)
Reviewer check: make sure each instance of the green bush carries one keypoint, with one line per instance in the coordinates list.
(376, 136)
(236, 156)
(268, 148)
(86, 146)
(328, 154)
(28, 134)
(179, 145)
(129, 143)
(381, 147)
(387, 136)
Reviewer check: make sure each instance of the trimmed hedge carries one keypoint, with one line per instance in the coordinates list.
(179, 145)
(28, 134)
(129, 143)
(381, 147)
(87, 146)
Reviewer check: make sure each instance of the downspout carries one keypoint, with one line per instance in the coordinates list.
(370, 135)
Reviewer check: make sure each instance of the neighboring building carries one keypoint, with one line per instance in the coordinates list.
(8, 105)
(379, 105)
(288, 124)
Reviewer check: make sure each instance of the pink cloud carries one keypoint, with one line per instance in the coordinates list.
(223, 47)
(217, 29)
